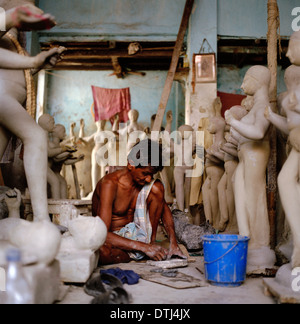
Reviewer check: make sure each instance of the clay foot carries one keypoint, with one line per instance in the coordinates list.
(29, 17)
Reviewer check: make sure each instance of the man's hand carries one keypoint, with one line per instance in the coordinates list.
(28, 17)
(156, 252)
(175, 252)
(48, 59)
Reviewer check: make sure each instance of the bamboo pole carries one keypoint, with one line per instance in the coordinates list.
(273, 26)
(173, 67)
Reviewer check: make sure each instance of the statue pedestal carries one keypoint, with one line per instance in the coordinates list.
(77, 266)
(260, 261)
(285, 287)
(63, 210)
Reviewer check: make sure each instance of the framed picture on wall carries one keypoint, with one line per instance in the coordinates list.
(205, 68)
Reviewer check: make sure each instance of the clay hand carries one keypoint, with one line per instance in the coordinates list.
(176, 252)
(268, 112)
(48, 59)
(156, 253)
(82, 124)
(13, 199)
(228, 117)
(29, 17)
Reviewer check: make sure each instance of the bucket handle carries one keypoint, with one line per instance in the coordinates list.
(236, 244)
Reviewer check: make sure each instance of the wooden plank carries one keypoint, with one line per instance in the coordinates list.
(171, 74)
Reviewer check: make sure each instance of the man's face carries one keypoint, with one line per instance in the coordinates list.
(141, 176)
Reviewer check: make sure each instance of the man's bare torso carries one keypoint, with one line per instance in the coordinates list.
(125, 198)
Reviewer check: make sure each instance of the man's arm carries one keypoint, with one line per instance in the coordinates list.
(168, 222)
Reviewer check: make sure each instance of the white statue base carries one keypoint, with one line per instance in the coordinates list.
(285, 287)
(259, 260)
(77, 266)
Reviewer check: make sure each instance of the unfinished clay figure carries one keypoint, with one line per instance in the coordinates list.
(97, 172)
(183, 166)
(228, 220)
(54, 149)
(133, 118)
(288, 180)
(250, 177)
(214, 168)
(15, 120)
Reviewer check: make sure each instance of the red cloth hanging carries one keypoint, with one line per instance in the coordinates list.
(109, 102)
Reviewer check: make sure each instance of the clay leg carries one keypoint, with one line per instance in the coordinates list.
(95, 170)
(63, 186)
(54, 184)
(4, 139)
(179, 181)
(215, 180)
(240, 203)
(16, 120)
(187, 191)
(289, 189)
(224, 212)
(206, 200)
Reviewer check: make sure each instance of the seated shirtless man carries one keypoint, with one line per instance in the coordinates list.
(117, 200)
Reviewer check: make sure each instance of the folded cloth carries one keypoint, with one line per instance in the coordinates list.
(110, 102)
(126, 276)
(140, 229)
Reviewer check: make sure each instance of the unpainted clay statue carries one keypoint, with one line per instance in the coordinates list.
(228, 220)
(97, 172)
(14, 118)
(54, 149)
(250, 177)
(133, 121)
(183, 165)
(288, 180)
(214, 168)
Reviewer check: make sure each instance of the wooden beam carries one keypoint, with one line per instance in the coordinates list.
(173, 67)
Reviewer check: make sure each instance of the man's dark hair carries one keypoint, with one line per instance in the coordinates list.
(147, 153)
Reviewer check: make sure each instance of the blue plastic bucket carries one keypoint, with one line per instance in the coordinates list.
(225, 259)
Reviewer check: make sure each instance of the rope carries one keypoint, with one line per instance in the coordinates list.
(31, 97)
(274, 15)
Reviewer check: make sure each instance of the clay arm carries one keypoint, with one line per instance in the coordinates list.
(278, 121)
(217, 154)
(106, 193)
(48, 59)
(254, 132)
(229, 150)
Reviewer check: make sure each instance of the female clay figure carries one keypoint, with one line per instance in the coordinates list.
(181, 176)
(228, 220)
(288, 180)
(97, 171)
(15, 120)
(47, 123)
(214, 168)
(250, 177)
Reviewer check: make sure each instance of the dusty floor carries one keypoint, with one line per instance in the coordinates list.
(146, 292)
